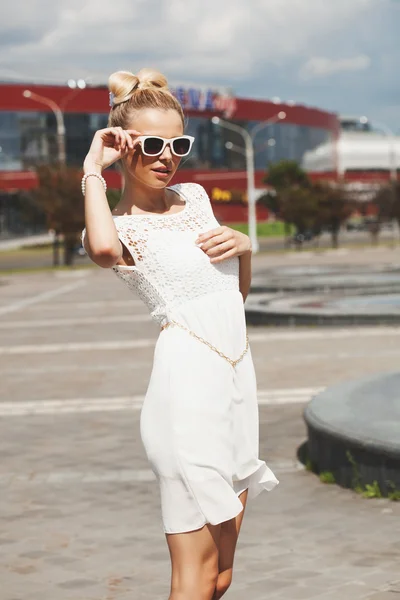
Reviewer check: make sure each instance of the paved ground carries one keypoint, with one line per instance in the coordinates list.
(79, 507)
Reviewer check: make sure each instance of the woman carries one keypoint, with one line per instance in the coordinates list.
(199, 420)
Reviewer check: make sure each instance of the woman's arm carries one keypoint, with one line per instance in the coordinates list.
(101, 241)
(245, 273)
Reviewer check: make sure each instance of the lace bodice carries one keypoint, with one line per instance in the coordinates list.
(169, 268)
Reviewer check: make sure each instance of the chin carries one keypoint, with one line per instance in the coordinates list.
(155, 182)
(159, 185)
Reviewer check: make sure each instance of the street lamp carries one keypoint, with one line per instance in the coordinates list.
(268, 144)
(249, 155)
(76, 83)
(59, 120)
(257, 128)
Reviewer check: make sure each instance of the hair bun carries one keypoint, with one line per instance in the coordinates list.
(123, 84)
(150, 79)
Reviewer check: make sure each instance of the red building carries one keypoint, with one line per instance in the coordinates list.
(28, 136)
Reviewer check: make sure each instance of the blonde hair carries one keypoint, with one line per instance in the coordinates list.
(147, 89)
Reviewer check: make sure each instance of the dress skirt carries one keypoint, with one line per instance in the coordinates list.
(199, 421)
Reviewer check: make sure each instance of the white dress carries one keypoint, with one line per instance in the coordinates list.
(199, 420)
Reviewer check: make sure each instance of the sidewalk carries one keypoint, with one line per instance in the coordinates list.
(79, 504)
(29, 240)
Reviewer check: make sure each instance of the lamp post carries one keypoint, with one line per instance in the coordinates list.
(58, 113)
(59, 120)
(248, 151)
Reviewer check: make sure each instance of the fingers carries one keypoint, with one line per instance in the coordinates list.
(111, 137)
(213, 240)
(210, 233)
(219, 248)
(125, 139)
(133, 132)
(127, 142)
(118, 138)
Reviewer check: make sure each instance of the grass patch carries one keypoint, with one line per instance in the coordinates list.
(327, 477)
(372, 490)
(394, 494)
(356, 480)
(369, 490)
(309, 466)
(321, 250)
(264, 229)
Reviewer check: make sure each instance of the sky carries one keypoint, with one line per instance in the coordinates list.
(339, 55)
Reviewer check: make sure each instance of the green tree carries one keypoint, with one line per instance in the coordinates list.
(290, 200)
(286, 174)
(387, 201)
(300, 208)
(307, 205)
(334, 208)
(59, 196)
(271, 201)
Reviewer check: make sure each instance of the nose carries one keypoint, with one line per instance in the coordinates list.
(166, 154)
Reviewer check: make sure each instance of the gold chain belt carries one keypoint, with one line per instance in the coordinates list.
(232, 362)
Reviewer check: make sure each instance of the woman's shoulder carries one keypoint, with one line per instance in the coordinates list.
(197, 195)
(189, 187)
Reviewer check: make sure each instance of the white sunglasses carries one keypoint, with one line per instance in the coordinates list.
(153, 145)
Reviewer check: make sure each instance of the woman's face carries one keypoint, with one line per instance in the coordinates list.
(163, 123)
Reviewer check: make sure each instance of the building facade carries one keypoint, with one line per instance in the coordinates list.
(28, 137)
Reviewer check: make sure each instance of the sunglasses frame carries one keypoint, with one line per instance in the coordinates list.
(142, 138)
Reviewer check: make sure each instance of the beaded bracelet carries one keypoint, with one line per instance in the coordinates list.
(103, 181)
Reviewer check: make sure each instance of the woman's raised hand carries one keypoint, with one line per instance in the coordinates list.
(108, 146)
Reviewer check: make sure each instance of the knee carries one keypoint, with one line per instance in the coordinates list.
(195, 584)
(208, 582)
(224, 580)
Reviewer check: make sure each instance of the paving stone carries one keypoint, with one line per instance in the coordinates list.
(298, 593)
(350, 591)
(383, 596)
(79, 514)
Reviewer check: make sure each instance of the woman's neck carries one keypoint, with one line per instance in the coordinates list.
(144, 198)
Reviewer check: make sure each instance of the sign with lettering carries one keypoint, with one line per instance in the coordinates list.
(226, 196)
(218, 195)
(201, 99)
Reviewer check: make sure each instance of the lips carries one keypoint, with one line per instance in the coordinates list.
(162, 170)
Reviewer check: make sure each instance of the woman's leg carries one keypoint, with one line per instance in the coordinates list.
(194, 558)
(226, 549)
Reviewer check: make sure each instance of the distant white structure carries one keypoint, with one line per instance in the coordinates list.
(361, 146)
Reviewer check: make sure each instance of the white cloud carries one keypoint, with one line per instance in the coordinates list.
(256, 47)
(200, 40)
(322, 67)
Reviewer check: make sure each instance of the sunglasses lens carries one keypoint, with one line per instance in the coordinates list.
(153, 145)
(181, 146)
